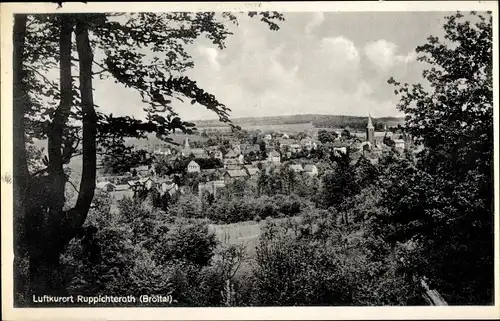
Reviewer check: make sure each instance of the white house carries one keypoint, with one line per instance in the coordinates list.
(211, 187)
(340, 150)
(274, 157)
(399, 144)
(296, 168)
(168, 186)
(311, 169)
(193, 167)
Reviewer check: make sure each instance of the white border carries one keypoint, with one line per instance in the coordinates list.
(350, 313)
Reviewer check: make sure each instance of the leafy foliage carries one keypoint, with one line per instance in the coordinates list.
(453, 177)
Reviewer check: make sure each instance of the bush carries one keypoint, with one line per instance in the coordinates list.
(292, 273)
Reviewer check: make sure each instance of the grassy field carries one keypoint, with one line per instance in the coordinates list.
(289, 128)
(246, 233)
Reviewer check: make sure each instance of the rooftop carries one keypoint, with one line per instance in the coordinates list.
(236, 173)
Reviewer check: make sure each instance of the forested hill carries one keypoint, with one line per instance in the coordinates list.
(319, 121)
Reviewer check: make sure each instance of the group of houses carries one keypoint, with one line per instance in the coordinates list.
(234, 164)
(162, 185)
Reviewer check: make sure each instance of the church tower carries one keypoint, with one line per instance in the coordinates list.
(370, 131)
(186, 143)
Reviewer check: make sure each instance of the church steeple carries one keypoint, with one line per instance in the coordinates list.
(370, 131)
(370, 124)
(186, 143)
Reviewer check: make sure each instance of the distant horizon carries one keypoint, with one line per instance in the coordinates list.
(318, 62)
(292, 115)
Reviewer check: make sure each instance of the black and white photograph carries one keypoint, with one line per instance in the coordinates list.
(257, 156)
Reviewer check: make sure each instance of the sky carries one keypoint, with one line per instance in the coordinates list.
(317, 63)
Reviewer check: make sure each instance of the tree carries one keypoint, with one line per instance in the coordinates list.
(291, 272)
(325, 136)
(345, 133)
(453, 118)
(388, 141)
(120, 165)
(263, 151)
(46, 110)
(340, 184)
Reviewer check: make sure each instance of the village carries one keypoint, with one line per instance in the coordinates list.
(226, 157)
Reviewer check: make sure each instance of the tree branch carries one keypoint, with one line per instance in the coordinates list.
(43, 76)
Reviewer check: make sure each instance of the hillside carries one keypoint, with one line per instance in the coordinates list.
(317, 120)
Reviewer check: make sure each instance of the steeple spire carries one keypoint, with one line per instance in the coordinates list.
(370, 124)
(370, 131)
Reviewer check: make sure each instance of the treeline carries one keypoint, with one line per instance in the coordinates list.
(319, 121)
(357, 123)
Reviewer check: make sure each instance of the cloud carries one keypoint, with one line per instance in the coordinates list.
(384, 55)
(265, 73)
(315, 22)
(332, 62)
(209, 55)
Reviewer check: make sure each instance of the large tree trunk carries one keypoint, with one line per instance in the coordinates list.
(88, 182)
(55, 137)
(45, 274)
(20, 168)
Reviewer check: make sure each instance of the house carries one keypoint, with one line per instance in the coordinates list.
(307, 143)
(253, 148)
(142, 170)
(167, 186)
(286, 142)
(230, 155)
(296, 168)
(208, 171)
(199, 153)
(285, 136)
(251, 171)
(230, 163)
(136, 185)
(274, 157)
(236, 149)
(268, 137)
(162, 151)
(234, 174)
(216, 154)
(121, 187)
(399, 144)
(211, 187)
(106, 186)
(241, 159)
(338, 151)
(146, 182)
(311, 170)
(294, 148)
(193, 167)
